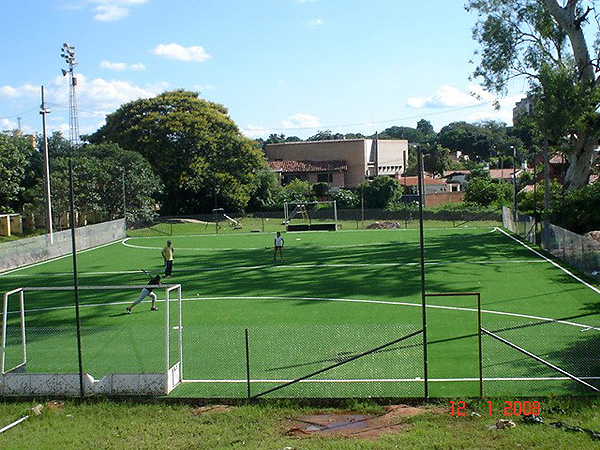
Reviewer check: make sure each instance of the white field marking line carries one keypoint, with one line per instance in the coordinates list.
(143, 247)
(290, 266)
(345, 300)
(57, 258)
(384, 380)
(571, 274)
(382, 302)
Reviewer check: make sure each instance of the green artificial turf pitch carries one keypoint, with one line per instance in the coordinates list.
(334, 296)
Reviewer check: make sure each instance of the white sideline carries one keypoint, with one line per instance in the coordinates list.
(555, 264)
(385, 380)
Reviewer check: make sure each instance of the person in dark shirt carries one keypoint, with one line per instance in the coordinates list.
(147, 291)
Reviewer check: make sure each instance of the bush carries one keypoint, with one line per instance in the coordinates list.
(578, 211)
(345, 199)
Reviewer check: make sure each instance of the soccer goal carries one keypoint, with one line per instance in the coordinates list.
(119, 353)
(310, 216)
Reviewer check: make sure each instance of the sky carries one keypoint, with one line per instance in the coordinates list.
(292, 67)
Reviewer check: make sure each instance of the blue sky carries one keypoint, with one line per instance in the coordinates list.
(279, 66)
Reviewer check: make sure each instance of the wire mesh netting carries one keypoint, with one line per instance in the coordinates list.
(571, 348)
(353, 360)
(581, 252)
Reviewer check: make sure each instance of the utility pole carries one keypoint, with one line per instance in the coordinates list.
(43, 112)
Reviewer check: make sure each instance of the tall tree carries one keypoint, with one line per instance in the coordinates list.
(531, 38)
(195, 147)
(102, 176)
(15, 151)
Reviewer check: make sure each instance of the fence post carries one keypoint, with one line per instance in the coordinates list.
(247, 362)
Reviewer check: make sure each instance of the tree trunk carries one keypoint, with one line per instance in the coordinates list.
(580, 162)
(582, 152)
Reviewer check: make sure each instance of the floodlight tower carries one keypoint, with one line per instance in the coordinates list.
(68, 53)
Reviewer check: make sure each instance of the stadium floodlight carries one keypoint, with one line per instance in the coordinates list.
(43, 112)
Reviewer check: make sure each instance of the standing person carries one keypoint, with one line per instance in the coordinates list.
(147, 291)
(167, 254)
(278, 245)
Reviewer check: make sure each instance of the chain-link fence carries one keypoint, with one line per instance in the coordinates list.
(578, 251)
(540, 357)
(347, 219)
(304, 361)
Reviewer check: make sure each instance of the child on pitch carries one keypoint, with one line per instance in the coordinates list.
(278, 245)
(147, 291)
(167, 254)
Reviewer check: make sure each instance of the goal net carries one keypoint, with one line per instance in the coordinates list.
(121, 354)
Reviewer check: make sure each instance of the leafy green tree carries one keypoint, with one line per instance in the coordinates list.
(198, 151)
(425, 127)
(379, 192)
(436, 159)
(296, 191)
(546, 41)
(104, 177)
(15, 152)
(481, 191)
(413, 135)
(265, 190)
(578, 210)
(320, 189)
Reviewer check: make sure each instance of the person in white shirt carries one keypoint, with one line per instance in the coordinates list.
(278, 245)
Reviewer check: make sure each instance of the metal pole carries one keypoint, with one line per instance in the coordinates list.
(43, 112)
(423, 296)
(514, 180)
(480, 347)
(124, 201)
(75, 281)
(248, 363)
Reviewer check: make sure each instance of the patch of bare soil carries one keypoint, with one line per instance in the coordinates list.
(350, 424)
(213, 408)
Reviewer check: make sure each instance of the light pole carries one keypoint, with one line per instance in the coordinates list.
(43, 112)
(68, 53)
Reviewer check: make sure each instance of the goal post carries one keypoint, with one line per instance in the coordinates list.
(310, 216)
(122, 354)
(19, 346)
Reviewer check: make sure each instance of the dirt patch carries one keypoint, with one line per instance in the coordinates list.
(55, 404)
(213, 408)
(351, 424)
(384, 225)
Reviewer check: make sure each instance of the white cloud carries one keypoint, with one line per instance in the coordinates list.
(316, 22)
(446, 96)
(7, 124)
(120, 66)
(296, 122)
(112, 10)
(301, 120)
(178, 52)
(25, 90)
